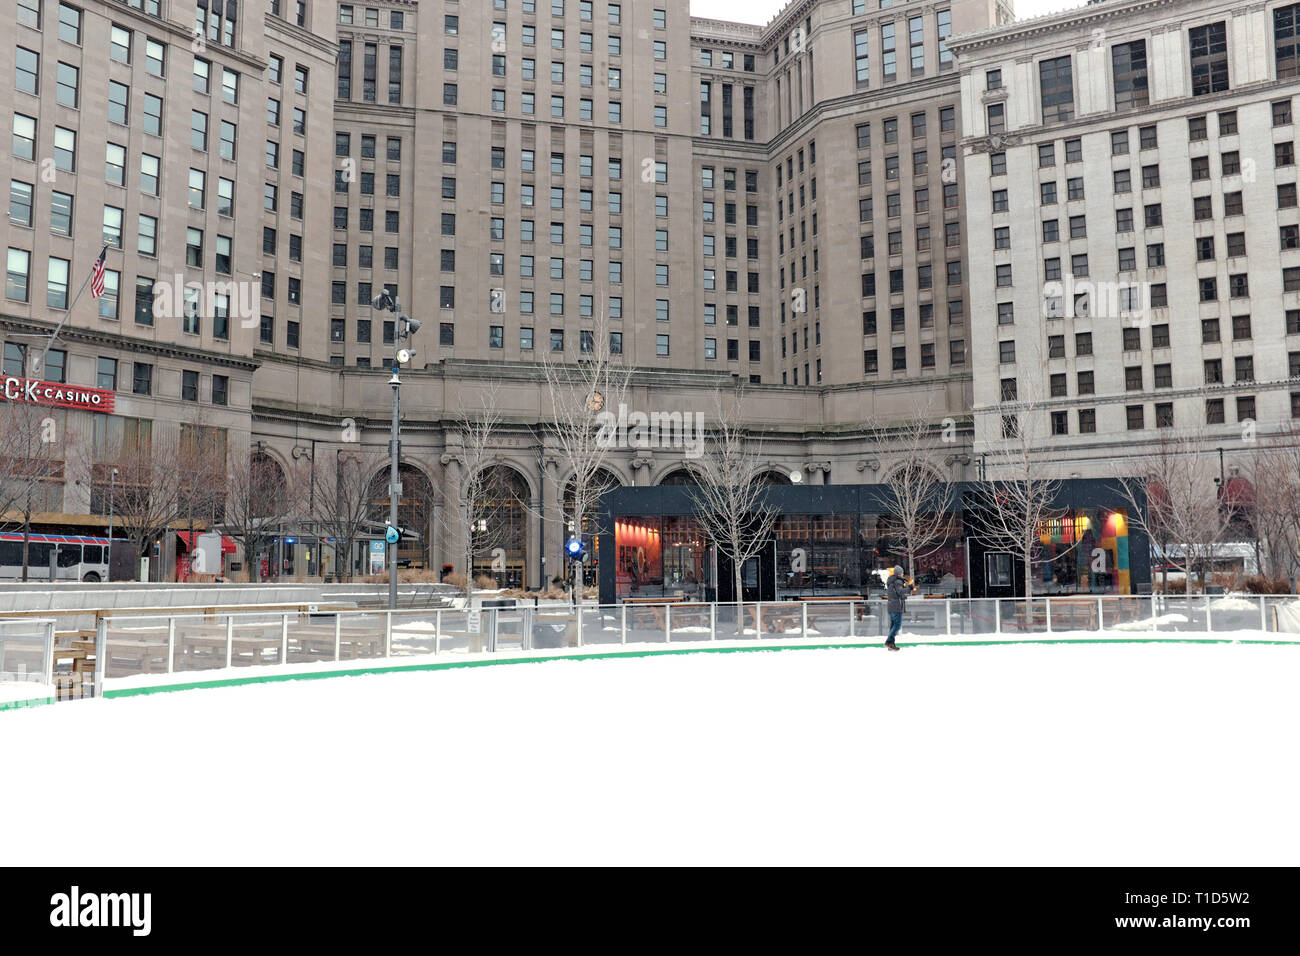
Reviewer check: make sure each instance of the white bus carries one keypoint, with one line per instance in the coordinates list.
(76, 558)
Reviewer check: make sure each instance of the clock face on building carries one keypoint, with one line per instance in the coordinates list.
(595, 401)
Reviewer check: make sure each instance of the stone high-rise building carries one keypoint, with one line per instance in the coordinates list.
(1131, 167)
(778, 205)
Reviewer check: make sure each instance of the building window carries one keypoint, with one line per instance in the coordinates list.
(1129, 69)
(1056, 87)
(1209, 58)
(142, 379)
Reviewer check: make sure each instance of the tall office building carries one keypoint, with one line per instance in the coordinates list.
(1131, 166)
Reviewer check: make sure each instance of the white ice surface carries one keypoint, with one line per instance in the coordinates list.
(1113, 754)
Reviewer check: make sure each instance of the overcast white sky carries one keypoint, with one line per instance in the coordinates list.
(760, 11)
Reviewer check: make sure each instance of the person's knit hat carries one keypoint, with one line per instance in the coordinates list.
(898, 569)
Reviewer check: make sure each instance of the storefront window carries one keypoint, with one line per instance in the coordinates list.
(1085, 551)
(661, 557)
(638, 544)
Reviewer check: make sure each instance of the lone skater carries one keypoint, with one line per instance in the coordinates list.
(896, 590)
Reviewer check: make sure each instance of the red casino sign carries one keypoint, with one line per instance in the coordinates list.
(30, 391)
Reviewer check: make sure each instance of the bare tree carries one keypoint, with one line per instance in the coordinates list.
(201, 474)
(1178, 483)
(730, 493)
(481, 495)
(1275, 474)
(258, 502)
(147, 498)
(33, 453)
(920, 498)
(583, 395)
(343, 499)
(1019, 497)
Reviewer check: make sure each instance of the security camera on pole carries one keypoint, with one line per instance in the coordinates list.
(404, 328)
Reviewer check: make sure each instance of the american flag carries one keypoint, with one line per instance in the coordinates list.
(97, 276)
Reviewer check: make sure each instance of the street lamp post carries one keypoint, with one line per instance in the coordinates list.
(404, 328)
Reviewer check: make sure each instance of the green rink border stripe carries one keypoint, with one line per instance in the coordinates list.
(31, 702)
(617, 655)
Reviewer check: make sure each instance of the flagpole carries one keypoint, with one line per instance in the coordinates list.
(59, 328)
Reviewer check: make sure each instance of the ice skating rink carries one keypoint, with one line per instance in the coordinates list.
(1109, 754)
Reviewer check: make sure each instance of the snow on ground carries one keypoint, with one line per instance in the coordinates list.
(1116, 754)
(1151, 623)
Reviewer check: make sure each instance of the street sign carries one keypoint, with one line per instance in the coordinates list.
(391, 535)
(377, 554)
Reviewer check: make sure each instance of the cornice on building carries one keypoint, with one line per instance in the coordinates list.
(1087, 17)
(860, 101)
(1105, 119)
(291, 32)
(95, 337)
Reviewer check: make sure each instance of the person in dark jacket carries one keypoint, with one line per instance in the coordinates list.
(897, 593)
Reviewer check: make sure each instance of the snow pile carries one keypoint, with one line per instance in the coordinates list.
(1163, 620)
(1233, 603)
(1001, 755)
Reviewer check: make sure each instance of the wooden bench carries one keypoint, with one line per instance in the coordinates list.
(75, 654)
(1068, 614)
(656, 617)
(209, 610)
(317, 641)
(195, 650)
(838, 615)
(773, 616)
(142, 654)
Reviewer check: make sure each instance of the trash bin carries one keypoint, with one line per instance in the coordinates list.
(551, 630)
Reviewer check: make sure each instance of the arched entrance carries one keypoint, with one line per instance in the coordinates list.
(268, 507)
(499, 527)
(680, 476)
(414, 513)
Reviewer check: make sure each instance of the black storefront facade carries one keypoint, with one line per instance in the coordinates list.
(831, 540)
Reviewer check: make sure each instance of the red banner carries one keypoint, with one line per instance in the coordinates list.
(30, 391)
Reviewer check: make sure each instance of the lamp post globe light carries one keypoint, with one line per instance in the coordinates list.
(573, 548)
(404, 328)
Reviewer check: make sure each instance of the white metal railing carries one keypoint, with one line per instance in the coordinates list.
(27, 650)
(169, 644)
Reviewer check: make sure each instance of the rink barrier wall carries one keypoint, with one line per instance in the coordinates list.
(288, 675)
(181, 647)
